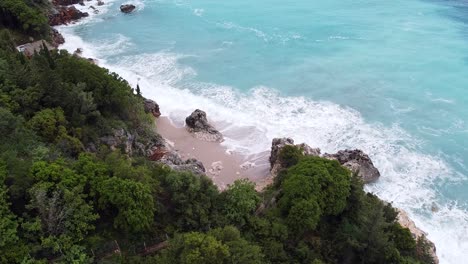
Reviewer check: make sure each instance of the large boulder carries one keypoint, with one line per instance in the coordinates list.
(152, 107)
(358, 162)
(127, 8)
(65, 15)
(197, 123)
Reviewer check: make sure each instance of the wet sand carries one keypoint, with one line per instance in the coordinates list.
(222, 166)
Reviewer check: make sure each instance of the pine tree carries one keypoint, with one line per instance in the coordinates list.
(138, 90)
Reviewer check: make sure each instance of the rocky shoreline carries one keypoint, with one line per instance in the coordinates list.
(161, 150)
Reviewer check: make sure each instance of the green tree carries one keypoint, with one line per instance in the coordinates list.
(239, 201)
(8, 221)
(304, 215)
(324, 179)
(189, 201)
(241, 251)
(49, 123)
(195, 248)
(132, 200)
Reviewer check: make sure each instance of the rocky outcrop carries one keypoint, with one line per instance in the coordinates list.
(355, 160)
(358, 162)
(66, 2)
(120, 139)
(197, 123)
(127, 8)
(100, 3)
(175, 162)
(56, 37)
(404, 220)
(65, 15)
(152, 107)
(278, 144)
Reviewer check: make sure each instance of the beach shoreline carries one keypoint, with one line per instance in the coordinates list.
(222, 166)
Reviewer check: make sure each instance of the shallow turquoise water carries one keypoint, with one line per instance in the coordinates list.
(389, 77)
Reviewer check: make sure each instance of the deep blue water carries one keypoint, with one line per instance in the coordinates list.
(389, 77)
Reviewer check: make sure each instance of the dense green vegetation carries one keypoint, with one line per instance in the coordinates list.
(26, 16)
(66, 197)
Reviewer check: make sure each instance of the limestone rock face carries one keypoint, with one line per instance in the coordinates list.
(152, 107)
(358, 162)
(404, 220)
(197, 123)
(127, 8)
(120, 139)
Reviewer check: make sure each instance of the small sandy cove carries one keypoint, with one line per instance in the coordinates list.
(222, 166)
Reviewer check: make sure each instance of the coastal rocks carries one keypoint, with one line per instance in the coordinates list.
(56, 37)
(127, 8)
(278, 144)
(355, 160)
(175, 162)
(65, 15)
(100, 3)
(66, 2)
(419, 235)
(95, 11)
(358, 162)
(152, 107)
(197, 124)
(121, 139)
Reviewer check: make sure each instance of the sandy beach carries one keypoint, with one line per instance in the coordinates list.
(222, 165)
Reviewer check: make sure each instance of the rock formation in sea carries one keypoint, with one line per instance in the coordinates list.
(198, 125)
(358, 162)
(127, 8)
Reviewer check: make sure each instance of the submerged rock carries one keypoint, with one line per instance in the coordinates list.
(127, 8)
(152, 107)
(197, 124)
(358, 162)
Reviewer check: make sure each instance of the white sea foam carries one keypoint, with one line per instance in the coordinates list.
(199, 11)
(408, 175)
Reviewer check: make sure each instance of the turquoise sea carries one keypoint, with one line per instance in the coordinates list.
(388, 77)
